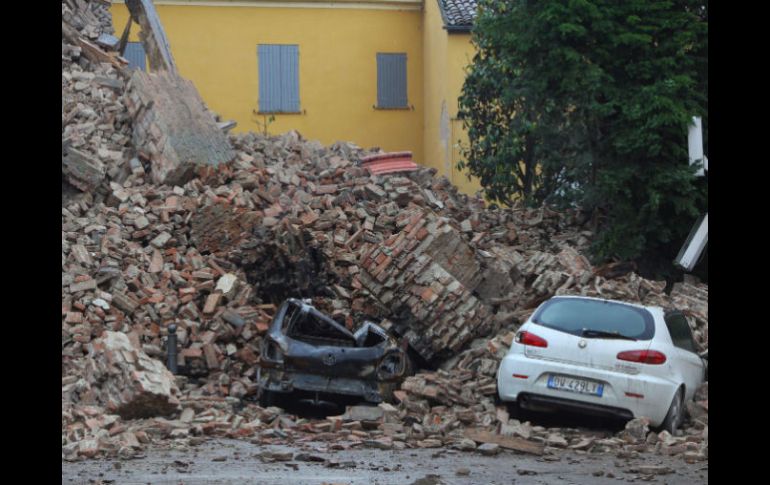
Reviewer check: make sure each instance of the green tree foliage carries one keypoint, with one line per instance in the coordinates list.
(587, 103)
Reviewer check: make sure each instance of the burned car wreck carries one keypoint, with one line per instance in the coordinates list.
(306, 352)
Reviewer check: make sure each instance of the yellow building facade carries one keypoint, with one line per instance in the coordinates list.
(447, 52)
(338, 48)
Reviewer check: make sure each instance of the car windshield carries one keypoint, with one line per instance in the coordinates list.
(595, 318)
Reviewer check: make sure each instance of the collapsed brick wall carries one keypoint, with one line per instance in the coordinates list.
(131, 384)
(134, 265)
(418, 273)
(96, 129)
(173, 128)
(90, 17)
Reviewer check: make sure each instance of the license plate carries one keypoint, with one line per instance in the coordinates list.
(572, 384)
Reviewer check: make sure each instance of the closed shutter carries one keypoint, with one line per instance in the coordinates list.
(278, 78)
(290, 78)
(391, 81)
(135, 56)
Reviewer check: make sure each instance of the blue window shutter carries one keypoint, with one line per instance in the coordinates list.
(290, 78)
(278, 78)
(269, 78)
(134, 54)
(391, 81)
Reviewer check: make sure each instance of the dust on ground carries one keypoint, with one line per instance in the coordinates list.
(224, 461)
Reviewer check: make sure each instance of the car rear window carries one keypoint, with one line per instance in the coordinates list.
(574, 315)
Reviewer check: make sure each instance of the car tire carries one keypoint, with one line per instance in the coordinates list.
(676, 413)
(267, 398)
(515, 411)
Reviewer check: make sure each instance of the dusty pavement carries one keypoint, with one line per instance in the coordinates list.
(236, 462)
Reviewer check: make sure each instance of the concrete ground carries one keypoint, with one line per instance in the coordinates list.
(224, 461)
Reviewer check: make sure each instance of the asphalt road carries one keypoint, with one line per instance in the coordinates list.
(238, 462)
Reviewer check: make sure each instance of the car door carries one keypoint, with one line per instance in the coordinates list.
(688, 362)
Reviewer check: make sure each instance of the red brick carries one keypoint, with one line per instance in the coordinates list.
(247, 355)
(326, 189)
(211, 303)
(309, 218)
(211, 356)
(383, 264)
(156, 262)
(366, 255)
(192, 352)
(412, 234)
(207, 337)
(74, 318)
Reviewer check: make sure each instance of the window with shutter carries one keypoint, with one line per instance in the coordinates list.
(391, 81)
(135, 56)
(278, 78)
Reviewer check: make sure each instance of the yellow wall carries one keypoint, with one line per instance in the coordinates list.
(216, 48)
(435, 44)
(461, 53)
(446, 56)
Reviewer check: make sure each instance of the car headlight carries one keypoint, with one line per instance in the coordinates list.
(391, 366)
(270, 350)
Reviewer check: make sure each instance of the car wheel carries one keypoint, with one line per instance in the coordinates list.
(267, 398)
(675, 415)
(515, 411)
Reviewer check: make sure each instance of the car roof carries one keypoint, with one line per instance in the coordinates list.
(581, 297)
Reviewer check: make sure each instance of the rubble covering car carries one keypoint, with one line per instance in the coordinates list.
(307, 353)
(603, 357)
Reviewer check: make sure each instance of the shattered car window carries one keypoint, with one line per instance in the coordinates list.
(303, 326)
(370, 335)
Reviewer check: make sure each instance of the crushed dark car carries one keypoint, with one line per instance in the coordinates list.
(308, 353)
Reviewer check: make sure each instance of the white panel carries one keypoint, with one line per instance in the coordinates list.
(695, 143)
(696, 242)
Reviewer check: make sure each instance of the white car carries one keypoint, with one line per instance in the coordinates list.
(603, 357)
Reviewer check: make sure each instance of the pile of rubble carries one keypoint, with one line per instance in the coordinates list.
(96, 129)
(90, 18)
(148, 244)
(130, 265)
